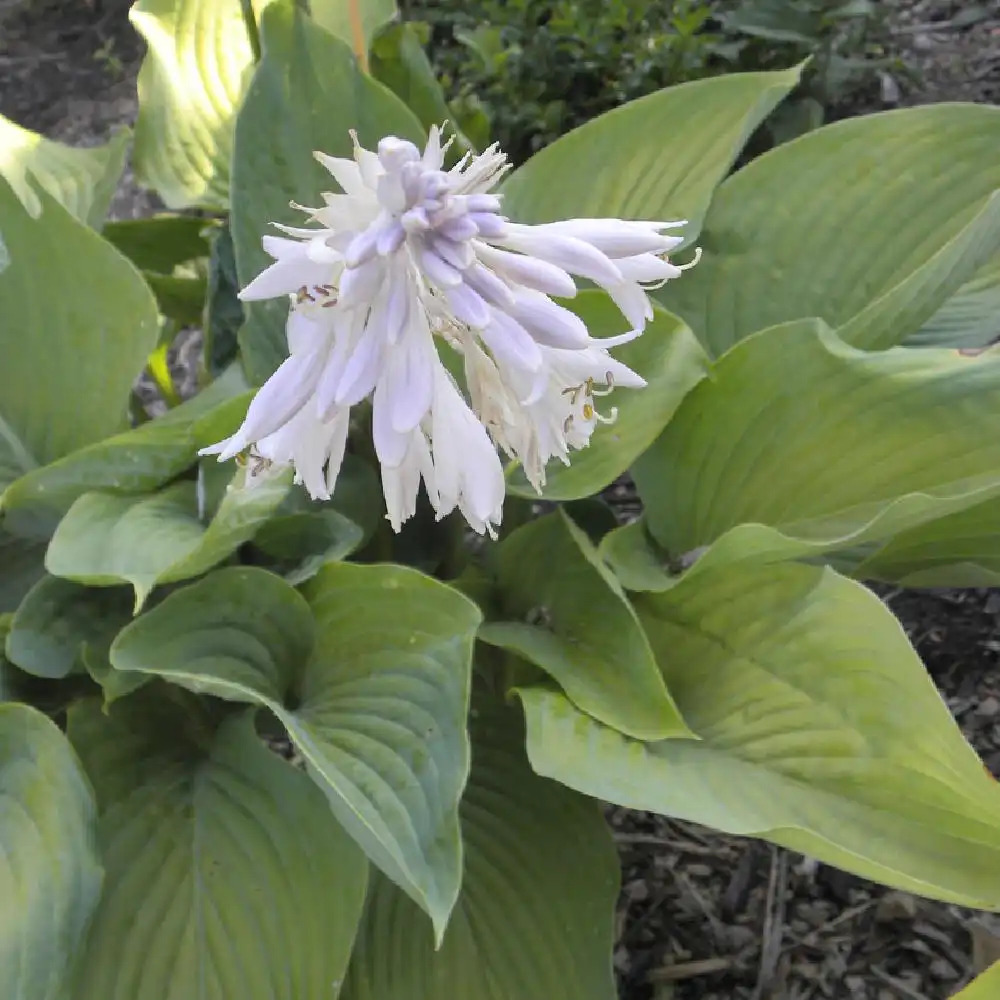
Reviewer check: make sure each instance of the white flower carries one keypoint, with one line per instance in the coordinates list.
(407, 252)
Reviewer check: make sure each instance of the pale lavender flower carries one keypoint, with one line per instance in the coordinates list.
(410, 251)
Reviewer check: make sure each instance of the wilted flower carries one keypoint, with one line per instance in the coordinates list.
(407, 252)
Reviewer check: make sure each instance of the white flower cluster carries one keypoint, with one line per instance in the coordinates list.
(408, 252)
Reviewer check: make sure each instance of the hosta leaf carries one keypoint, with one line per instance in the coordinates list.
(671, 361)
(155, 538)
(335, 16)
(83, 181)
(961, 550)
(307, 94)
(50, 877)
(226, 874)
(380, 703)
(190, 87)
(659, 157)
(58, 621)
(76, 325)
(820, 730)
(565, 613)
(985, 987)
(534, 919)
(970, 318)
(161, 242)
(870, 223)
(799, 444)
(130, 462)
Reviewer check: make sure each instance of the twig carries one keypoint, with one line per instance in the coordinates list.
(905, 991)
(774, 922)
(689, 970)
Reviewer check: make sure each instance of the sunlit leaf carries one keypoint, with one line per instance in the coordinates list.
(819, 730)
(82, 180)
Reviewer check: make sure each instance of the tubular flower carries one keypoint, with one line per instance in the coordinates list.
(408, 252)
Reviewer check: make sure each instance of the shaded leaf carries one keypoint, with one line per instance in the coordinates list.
(970, 318)
(22, 564)
(551, 583)
(50, 877)
(534, 920)
(961, 550)
(380, 703)
(160, 242)
(226, 874)
(155, 538)
(59, 621)
(223, 310)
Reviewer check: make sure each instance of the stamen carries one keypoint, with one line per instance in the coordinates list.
(567, 424)
(692, 262)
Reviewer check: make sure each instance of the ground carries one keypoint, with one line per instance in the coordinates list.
(702, 916)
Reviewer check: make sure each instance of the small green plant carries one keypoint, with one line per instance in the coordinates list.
(538, 68)
(299, 699)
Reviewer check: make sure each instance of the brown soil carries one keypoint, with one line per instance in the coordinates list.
(702, 916)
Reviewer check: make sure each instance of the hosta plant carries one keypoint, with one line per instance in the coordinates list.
(314, 682)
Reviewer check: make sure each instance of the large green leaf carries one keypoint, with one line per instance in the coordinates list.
(961, 550)
(76, 325)
(160, 242)
(566, 613)
(227, 876)
(671, 361)
(306, 94)
(820, 730)
(380, 703)
(659, 157)
(83, 181)
(50, 877)
(985, 987)
(190, 86)
(336, 17)
(970, 318)
(156, 538)
(870, 223)
(799, 444)
(534, 919)
(133, 461)
(59, 621)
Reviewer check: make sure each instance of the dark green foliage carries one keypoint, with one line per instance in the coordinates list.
(524, 72)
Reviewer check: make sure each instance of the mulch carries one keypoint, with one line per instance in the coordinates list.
(702, 916)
